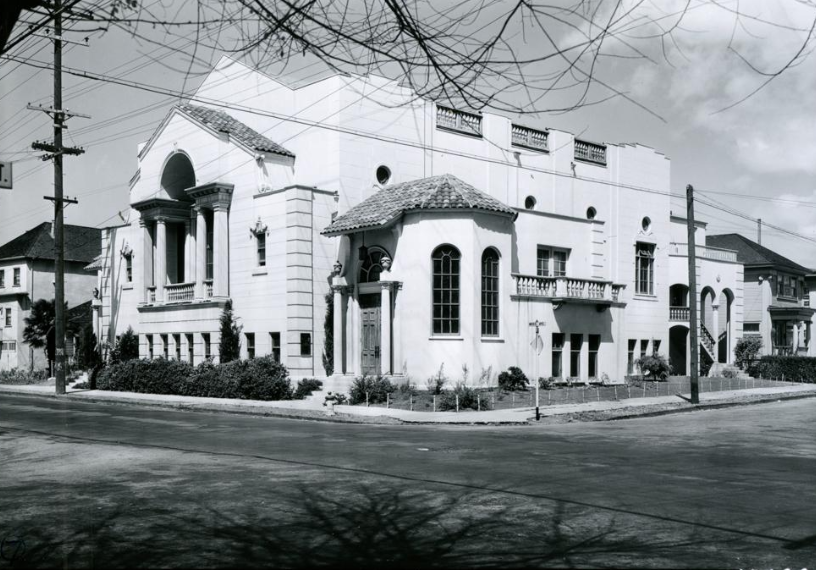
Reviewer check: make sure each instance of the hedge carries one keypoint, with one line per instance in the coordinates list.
(257, 379)
(18, 376)
(792, 368)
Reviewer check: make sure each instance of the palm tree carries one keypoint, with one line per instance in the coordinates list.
(39, 329)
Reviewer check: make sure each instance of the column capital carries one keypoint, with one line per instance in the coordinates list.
(160, 220)
(342, 289)
(391, 285)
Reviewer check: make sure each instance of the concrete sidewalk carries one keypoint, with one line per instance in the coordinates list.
(311, 409)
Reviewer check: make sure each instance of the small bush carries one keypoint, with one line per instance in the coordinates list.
(469, 399)
(340, 399)
(546, 383)
(306, 386)
(408, 388)
(746, 350)
(729, 373)
(655, 366)
(81, 386)
(127, 347)
(436, 383)
(377, 388)
(513, 379)
(19, 377)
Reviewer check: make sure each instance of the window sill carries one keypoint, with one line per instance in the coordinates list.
(464, 132)
(260, 272)
(127, 286)
(645, 297)
(449, 337)
(492, 339)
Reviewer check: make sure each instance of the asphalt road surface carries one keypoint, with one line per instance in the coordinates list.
(109, 486)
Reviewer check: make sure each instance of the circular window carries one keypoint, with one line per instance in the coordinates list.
(591, 213)
(646, 224)
(383, 174)
(529, 202)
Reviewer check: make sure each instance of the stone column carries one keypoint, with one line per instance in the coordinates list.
(146, 277)
(160, 275)
(396, 331)
(220, 251)
(189, 252)
(337, 332)
(385, 328)
(715, 330)
(201, 252)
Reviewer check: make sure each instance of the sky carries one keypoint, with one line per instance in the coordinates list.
(683, 97)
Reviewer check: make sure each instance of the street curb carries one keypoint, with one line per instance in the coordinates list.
(692, 408)
(265, 412)
(343, 418)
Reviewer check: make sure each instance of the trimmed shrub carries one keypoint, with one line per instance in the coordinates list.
(792, 368)
(546, 383)
(306, 386)
(746, 350)
(513, 379)
(19, 377)
(257, 379)
(655, 366)
(729, 373)
(229, 348)
(377, 388)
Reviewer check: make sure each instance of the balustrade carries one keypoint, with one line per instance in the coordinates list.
(151, 294)
(590, 152)
(208, 288)
(566, 287)
(179, 292)
(678, 313)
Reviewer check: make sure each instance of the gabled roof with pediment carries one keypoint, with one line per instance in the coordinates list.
(751, 253)
(444, 192)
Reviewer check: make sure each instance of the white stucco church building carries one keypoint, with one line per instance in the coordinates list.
(438, 235)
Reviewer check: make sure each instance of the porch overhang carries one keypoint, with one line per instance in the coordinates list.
(791, 313)
(154, 208)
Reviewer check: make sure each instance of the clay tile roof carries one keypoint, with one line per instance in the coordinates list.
(82, 243)
(751, 253)
(220, 121)
(444, 192)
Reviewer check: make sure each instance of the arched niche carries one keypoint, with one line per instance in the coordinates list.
(178, 175)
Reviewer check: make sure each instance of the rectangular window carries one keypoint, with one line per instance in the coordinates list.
(490, 293)
(576, 341)
(9, 346)
(261, 242)
(274, 341)
(16, 277)
(129, 268)
(557, 351)
(445, 282)
(2, 278)
(656, 346)
(8, 316)
(149, 340)
(750, 328)
(190, 348)
(543, 262)
(594, 346)
(305, 344)
(250, 342)
(165, 346)
(551, 261)
(644, 268)
(205, 339)
(644, 346)
(177, 342)
(630, 356)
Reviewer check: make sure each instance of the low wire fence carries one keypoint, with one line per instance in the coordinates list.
(495, 399)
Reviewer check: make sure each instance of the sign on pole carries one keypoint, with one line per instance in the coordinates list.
(5, 175)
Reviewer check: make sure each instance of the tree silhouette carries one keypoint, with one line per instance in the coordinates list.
(39, 328)
(229, 347)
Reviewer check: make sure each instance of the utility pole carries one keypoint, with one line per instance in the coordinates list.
(759, 231)
(694, 368)
(57, 151)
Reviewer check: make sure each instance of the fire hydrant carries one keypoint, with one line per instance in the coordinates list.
(329, 402)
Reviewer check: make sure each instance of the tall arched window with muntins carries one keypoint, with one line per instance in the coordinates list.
(490, 292)
(446, 261)
(371, 268)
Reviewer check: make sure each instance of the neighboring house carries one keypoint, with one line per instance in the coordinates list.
(444, 236)
(779, 297)
(27, 274)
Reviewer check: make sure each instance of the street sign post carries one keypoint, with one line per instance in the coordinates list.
(5, 175)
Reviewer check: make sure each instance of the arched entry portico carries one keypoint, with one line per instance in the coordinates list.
(725, 327)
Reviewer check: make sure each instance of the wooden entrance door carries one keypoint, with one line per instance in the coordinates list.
(370, 333)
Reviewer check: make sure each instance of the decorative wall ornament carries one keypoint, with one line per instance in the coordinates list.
(338, 267)
(259, 228)
(385, 261)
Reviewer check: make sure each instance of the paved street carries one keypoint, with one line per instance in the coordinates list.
(113, 486)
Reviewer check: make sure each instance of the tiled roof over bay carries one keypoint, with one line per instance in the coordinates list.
(751, 253)
(221, 121)
(444, 192)
(81, 243)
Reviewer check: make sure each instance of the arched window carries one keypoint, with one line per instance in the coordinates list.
(490, 292)
(446, 260)
(372, 266)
